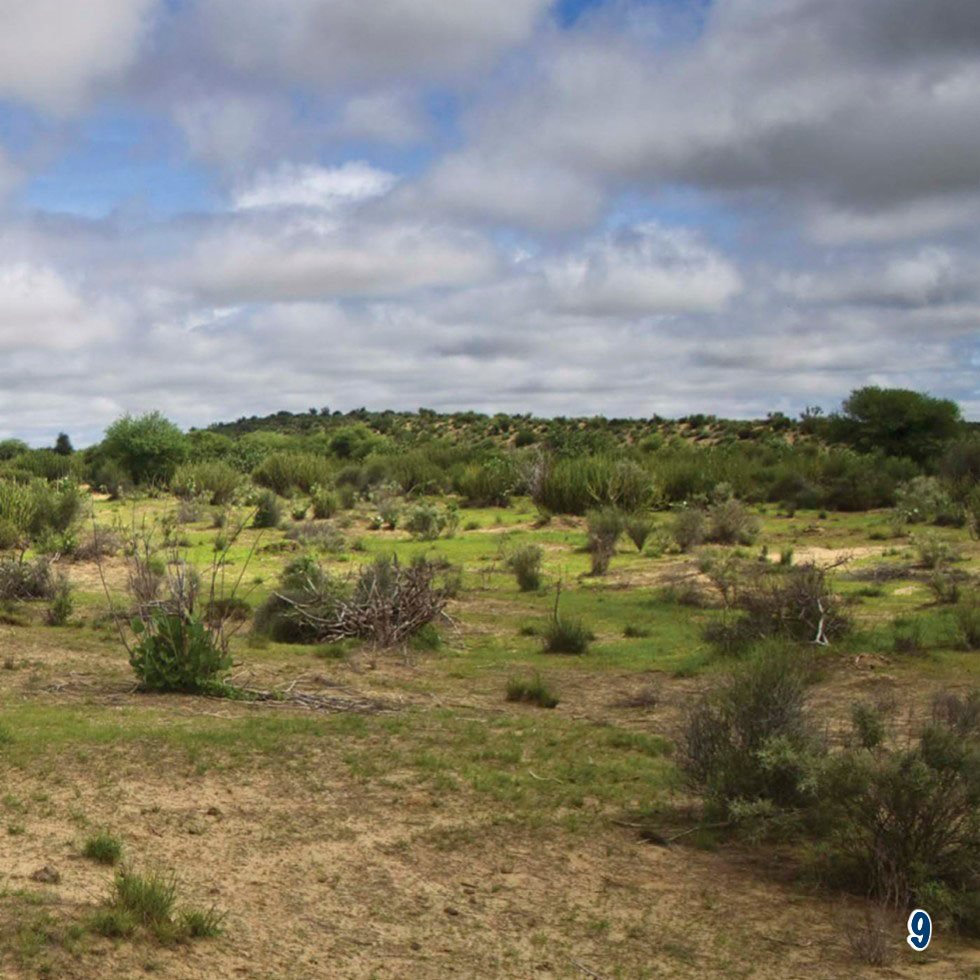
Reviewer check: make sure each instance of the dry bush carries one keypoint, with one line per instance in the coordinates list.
(27, 579)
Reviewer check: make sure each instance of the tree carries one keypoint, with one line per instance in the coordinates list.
(897, 422)
(149, 447)
(62, 445)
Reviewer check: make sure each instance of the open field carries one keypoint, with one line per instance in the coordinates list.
(412, 822)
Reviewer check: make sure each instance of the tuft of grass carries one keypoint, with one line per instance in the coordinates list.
(202, 923)
(531, 691)
(103, 847)
(632, 632)
(149, 898)
(566, 636)
(113, 922)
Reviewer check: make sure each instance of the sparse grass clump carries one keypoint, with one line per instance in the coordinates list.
(103, 847)
(531, 691)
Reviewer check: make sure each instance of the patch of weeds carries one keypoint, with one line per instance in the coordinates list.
(566, 636)
(531, 691)
(632, 632)
(103, 847)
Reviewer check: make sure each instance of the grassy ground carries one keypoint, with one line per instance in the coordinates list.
(426, 826)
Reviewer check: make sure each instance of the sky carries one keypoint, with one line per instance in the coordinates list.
(220, 208)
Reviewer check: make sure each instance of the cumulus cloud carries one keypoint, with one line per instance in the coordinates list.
(53, 55)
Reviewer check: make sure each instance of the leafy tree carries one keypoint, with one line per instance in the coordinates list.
(897, 422)
(62, 445)
(149, 447)
(9, 448)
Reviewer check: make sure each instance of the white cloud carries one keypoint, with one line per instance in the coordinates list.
(309, 186)
(41, 310)
(53, 54)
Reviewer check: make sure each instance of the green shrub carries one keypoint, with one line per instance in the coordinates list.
(62, 604)
(638, 528)
(103, 847)
(148, 448)
(689, 527)
(306, 593)
(287, 473)
(604, 527)
(576, 484)
(525, 563)
(323, 537)
(933, 551)
(174, 652)
(531, 691)
(747, 737)
(486, 484)
(425, 522)
(729, 522)
(968, 624)
(216, 481)
(324, 501)
(923, 499)
(268, 511)
(563, 635)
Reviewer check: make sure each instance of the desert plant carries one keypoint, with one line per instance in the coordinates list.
(747, 738)
(933, 551)
(268, 511)
(26, 578)
(968, 623)
(566, 635)
(638, 528)
(177, 653)
(531, 691)
(103, 847)
(525, 563)
(689, 527)
(923, 499)
(324, 502)
(729, 520)
(604, 528)
(323, 537)
(425, 522)
(214, 480)
(62, 604)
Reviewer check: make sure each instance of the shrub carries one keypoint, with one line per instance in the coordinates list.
(174, 652)
(215, 480)
(26, 579)
(323, 537)
(148, 448)
(932, 550)
(324, 502)
(923, 499)
(486, 484)
(525, 563)
(425, 522)
(306, 594)
(532, 691)
(689, 527)
(729, 522)
(62, 604)
(103, 848)
(563, 635)
(747, 738)
(574, 485)
(288, 473)
(268, 511)
(968, 624)
(907, 821)
(605, 526)
(638, 528)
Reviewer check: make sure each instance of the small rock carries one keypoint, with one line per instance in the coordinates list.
(449, 910)
(46, 875)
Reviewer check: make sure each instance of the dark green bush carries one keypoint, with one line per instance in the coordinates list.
(268, 511)
(565, 635)
(216, 481)
(286, 473)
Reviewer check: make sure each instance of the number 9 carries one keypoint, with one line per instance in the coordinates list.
(920, 929)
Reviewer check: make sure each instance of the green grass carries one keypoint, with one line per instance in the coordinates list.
(531, 691)
(103, 847)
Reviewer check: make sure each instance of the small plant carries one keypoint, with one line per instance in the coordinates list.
(871, 940)
(268, 511)
(968, 624)
(26, 579)
(103, 847)
(174, 652)
(638, 528)
(729, 520)
(62, 604)
(533, 691)
(689, 528)
(525, 563)
(932, 550)
(907, 635)
(324, 503)
(605, 526)
(424, 522)
(630, 631)
(563, 635)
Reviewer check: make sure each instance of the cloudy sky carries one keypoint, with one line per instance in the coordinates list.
(228, 207)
